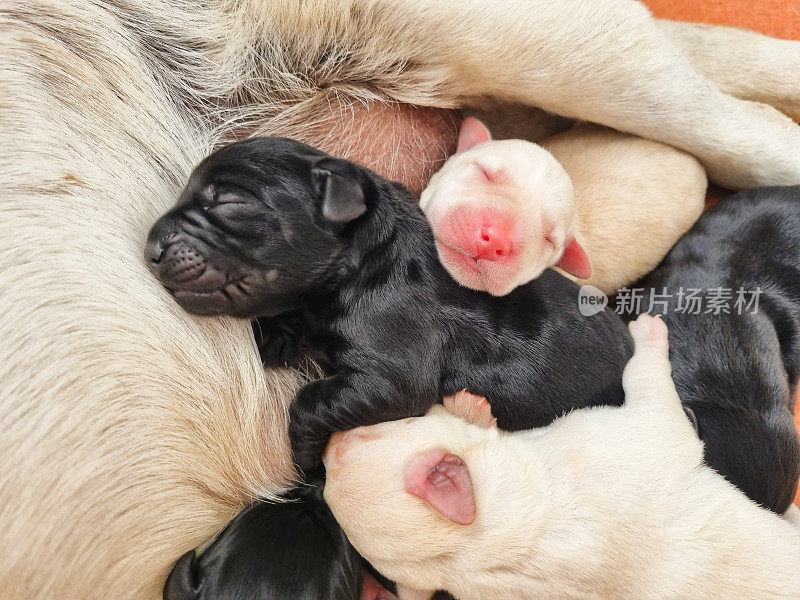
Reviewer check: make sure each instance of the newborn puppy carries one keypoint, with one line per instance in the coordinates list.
(239, 565)
(345, 260)
(607, 503)
(503, 211)
(736, 367)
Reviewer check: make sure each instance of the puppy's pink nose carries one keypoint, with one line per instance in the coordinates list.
(493, 243)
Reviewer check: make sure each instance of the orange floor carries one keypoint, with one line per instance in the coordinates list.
(778, 18)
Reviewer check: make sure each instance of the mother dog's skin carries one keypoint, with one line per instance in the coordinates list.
(133, 431)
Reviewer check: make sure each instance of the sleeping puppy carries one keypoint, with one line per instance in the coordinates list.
(239, 565)
(605, 503)
(503, 211)
(345, 261)
(735, 354)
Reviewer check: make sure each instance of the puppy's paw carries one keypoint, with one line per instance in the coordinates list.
(279, 340)
(307, 449)
(471, 408)
(650, 333)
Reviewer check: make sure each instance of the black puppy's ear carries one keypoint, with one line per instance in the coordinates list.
(182, 583)
(341, 192)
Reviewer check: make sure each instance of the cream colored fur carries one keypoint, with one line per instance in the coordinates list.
(634, 199)
(605, 503)
(132, 431)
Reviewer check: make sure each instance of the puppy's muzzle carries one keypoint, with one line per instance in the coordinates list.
(198, 284)
(180, 266)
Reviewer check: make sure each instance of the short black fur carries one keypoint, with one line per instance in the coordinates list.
(738, 373)
(241, 564)
(368, 296)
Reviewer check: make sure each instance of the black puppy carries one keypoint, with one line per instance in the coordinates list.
(738, 370)
(346, 261)
(241, 564)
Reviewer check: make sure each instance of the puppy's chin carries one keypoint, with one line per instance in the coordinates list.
(479, 275)
(218, 303)
(207, 304)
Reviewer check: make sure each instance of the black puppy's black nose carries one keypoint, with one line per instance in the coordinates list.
(154, 253)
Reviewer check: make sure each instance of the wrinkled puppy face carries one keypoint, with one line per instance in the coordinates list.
(403, 491)
(257, 228)
(501, 212)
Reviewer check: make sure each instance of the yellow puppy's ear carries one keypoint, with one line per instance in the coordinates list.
(472, 133)
(442, 480)
(574, 260)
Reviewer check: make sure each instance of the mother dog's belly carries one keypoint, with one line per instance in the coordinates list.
(400, 142)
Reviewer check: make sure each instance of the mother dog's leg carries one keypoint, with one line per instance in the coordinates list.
(604, 61)
(742, 63)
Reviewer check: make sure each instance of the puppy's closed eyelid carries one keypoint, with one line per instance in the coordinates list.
(230, 198)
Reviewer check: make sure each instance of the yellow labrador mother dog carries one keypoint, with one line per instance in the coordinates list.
(131, 431)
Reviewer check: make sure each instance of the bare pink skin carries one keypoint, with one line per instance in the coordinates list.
(443, 481)
(473, 409)
(502, 212)
(401, 142)
(482, 240)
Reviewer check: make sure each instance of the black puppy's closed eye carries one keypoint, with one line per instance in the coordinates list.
(342, 196)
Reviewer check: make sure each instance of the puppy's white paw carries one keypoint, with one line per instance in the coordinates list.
(650, 333)
(471, 408)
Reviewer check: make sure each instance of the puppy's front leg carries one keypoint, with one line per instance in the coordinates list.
(647, 380)
(341, 403)
(280, 339)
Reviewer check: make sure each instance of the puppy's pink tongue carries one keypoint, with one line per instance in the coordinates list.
(372, 590)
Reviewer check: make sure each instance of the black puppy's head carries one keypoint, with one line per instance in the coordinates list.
(258, 228)
(293, 550)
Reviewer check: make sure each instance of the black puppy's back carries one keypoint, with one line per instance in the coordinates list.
(738, 372)
(272, 552)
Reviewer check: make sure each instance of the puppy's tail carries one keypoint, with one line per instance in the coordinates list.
(182, 583)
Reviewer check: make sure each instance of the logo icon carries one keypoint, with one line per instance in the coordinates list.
(591, 300)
